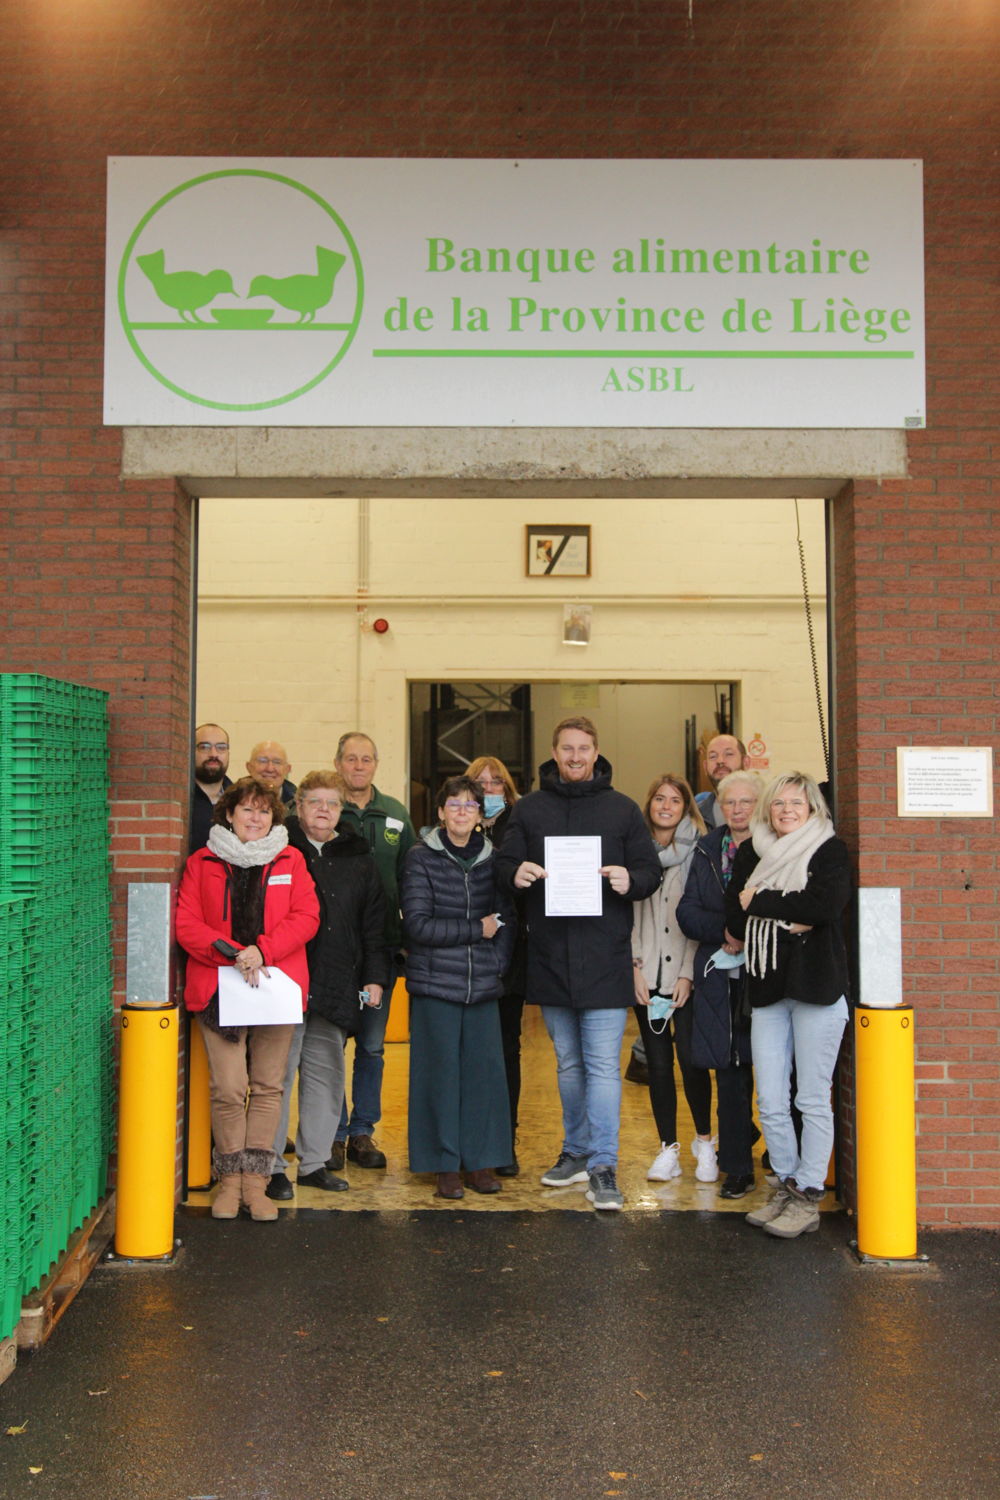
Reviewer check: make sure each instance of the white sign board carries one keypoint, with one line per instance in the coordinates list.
(953, 781)
(351, 292)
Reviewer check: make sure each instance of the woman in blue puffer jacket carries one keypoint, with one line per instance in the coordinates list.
(459, 941)
(720, 1034)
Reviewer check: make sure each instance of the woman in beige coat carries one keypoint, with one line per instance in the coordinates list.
(663, 962)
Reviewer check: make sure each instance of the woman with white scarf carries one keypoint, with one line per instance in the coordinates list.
(247, 901)
(790, 884)
(663, 965)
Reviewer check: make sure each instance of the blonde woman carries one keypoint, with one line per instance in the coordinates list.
(791, 882)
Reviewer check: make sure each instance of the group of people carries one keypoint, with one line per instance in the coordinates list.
(716, 919)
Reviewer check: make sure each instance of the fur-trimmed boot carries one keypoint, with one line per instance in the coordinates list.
(256, 1176)
(226, 1166)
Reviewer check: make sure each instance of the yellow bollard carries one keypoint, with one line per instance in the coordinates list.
(198, 1160)
(886, 1133)
(398, 1028)
(147, 1132)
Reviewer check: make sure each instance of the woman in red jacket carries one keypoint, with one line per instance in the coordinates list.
(246, 900)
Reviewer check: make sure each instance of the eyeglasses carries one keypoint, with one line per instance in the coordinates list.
(334, 806)
(792, 805)
(268, 760)
(204, 745)
(464, 807)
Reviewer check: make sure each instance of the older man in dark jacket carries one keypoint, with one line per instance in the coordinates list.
(347, 956)
(579, 968)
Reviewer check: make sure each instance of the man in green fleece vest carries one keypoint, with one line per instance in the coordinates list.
(386, 825)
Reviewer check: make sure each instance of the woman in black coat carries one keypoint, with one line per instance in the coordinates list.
(499, 797)
(791, 882)
(458, 948)
(720, 1034)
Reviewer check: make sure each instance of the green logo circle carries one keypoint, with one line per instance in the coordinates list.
(202, 310)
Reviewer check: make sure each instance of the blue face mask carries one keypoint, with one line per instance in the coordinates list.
(493, 804)
(720, 959)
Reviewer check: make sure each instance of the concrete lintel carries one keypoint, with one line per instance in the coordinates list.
(285, 461)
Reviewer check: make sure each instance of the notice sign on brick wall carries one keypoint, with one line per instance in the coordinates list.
(326, 292)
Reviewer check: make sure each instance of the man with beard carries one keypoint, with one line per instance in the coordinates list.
(723, 755)
(211, 762)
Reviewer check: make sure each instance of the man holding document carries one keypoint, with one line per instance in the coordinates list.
(580, 852)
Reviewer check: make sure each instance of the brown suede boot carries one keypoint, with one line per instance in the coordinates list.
(261, 1207)
(228, 1196)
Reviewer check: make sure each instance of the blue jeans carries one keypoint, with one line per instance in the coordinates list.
(588, 1047)
(809, 1034)
(369, 1065)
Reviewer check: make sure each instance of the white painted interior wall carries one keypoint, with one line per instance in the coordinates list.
(692, 592)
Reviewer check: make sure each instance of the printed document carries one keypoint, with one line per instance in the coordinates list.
(574, 887)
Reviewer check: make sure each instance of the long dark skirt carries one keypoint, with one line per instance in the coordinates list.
(459, 1114)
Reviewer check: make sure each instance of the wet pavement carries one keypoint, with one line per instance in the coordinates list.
(529, 1356)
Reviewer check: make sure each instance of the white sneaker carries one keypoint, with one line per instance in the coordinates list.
(667, 1163)
(703, 1152)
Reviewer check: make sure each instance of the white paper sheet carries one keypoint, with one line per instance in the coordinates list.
(275, 1002)
(574, 887)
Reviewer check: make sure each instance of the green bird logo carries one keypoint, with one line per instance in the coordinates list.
(303, 294)
(184, 290)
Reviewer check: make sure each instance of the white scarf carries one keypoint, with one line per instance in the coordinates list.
(223, 842)
(681, 848)
(784, 867)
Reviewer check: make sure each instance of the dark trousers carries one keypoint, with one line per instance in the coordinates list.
(511, 1009)
(458, 1114)
(734, 1091)
(662, 1088)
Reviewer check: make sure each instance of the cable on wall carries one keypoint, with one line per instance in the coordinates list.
(812, 641)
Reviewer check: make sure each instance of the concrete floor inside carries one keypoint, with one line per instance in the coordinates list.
(539, 1143)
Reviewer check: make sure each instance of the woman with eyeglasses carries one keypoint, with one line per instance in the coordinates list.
(459, 936)
(246, 901)
(499, 796)
(790, 884)
(720, 1030)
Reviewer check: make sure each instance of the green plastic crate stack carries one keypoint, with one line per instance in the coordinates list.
(55, 870)
(11, 1107)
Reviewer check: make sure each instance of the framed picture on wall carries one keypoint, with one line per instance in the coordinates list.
(557, 551)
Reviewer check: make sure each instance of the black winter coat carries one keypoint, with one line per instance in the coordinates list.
(513, 980)
(443, 905)
(583, 962)
(349, 949)
(812, 966)
(715, 1041)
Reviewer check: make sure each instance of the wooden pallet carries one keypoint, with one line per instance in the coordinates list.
(42, 1310)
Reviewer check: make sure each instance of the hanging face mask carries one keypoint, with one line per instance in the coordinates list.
(493, 805)
(720, 959)
(661, 1008)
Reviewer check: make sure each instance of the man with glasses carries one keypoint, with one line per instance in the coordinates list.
(386, 826)
(211, 762)
(269, 763)
(348, 969)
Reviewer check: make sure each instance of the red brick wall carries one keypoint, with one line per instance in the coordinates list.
(97, 571)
